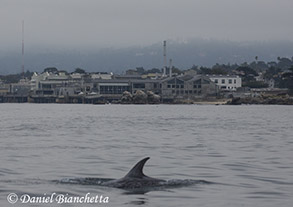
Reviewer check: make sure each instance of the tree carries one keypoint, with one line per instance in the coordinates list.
(154, 70)
(284, 63)
(247, 71)
(51, 70)
(287, 80)
(15, 78)
(140, 70)
(248, 74)
(272, 72)
(28, 74)
(218, 71)
(255, 84)
(79, 70)
(176, 70)
(205, 70)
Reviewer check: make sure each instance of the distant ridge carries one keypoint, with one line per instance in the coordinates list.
(184, 54)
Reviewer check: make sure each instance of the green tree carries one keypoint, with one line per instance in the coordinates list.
(255, 84)
(272, 72)
(154, 70)
(287, 80)
(51, 70)
(176, 70)
(205, 70)
(248, 71)
(284, 63)
(218, 71)
(79, 70)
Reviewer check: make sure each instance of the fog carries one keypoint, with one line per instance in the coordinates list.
(91, 24)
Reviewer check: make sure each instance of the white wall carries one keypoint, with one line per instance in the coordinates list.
(227, 82)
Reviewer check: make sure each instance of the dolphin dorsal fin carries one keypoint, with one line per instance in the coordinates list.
(136, 171)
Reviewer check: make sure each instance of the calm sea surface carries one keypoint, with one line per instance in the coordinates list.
(246, 152)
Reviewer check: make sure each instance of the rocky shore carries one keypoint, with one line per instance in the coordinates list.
(264, 100)
(140, 97)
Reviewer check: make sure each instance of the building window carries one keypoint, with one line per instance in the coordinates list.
(199, 92)
(48, 92)
(223, 81)
(196, 86)
(195, 91)
(206, 82)
(230, 81)
(113, 89)
(169, 86)
(216, 80)
(197, 81)
(173, 86)
(138, 85)
(47, 86)
(182, 86)
(235, 81)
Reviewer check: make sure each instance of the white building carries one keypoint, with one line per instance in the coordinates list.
(37, 78)
(226, 82)
(104, 76)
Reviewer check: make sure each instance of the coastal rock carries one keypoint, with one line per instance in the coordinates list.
(265, 100)
(140, 97)
(126, 98)
(235, 101)
(153, 98)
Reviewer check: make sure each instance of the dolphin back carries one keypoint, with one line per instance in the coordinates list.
(137, 170)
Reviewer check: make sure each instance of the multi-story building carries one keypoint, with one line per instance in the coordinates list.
(226, 82)
(62, 86)
(188, 87)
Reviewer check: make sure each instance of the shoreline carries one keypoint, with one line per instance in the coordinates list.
(261, 100)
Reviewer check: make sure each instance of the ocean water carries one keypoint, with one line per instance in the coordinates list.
(244, 152)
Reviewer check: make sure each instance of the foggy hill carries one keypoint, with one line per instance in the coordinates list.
(184, 54)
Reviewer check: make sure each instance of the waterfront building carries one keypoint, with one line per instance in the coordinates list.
(102, 75)
(226, 82)
(92, 88)
(187, 87)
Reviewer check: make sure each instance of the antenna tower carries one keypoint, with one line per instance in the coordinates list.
(22, 52)
(170, 68)
(165, 58)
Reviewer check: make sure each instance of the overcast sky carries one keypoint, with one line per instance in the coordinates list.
(110, 23)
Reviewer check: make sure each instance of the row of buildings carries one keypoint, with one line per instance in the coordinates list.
(106, 87)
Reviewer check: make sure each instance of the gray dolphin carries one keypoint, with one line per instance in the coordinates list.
(135, 178)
